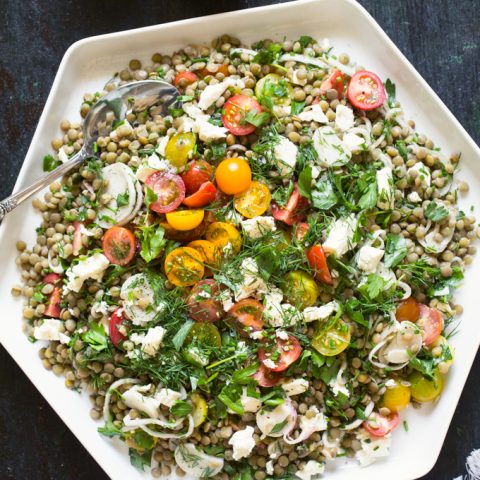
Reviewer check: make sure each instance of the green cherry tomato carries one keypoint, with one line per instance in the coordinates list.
(201, 335)
(300, 289)
(333, 340)
(423, 389)
(179, 148)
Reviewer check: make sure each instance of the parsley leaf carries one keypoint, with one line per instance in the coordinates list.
(181, 409)
(436, 212)
(140, 460)
(49, 163)
(304, 40)
(267, 56)
(256, 119)
(353, 311)
(369, 198)
(150, 197)
(152, 241)
(373, 287)
(395, 250)
(218, 149)
(278, 426)
(122, 199)
(297, 107)
(305, 182)
(323, 195)
(110, 430)
(391, 91)
(96, 337)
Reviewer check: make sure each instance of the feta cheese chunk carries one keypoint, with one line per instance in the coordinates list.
(313, 113)
(213, 92)
(285, 153)
(269, 467)
(329, 147)
(414, 197)
(344, 119)
(311, 471)
(258, 226)
(369, 258)
(386, 196)
(338, 384)
(50, 329)
(162, 145)
(311, 314)
(194, 112)
(313, 420)
(353, 142)
(168, 397)
(242, 443)
(340, 236)
(134, 398)
(295, 387)
(62, 155)
(372, 449)
(252, 283)
(250, 404)
(208, 132)
(419, 170)
(151, 341)
(91, 267)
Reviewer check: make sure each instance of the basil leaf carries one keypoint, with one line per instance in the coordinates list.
(395, 250)
(323, 195)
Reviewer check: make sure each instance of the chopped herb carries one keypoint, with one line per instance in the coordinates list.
(152, 240)
(96, 337)
(297, 107)
(49, 163)
(436, 212)
(391, 91)
(395, 250)
(305, 182)
(122, 199)
(140, 460)
(181, 409)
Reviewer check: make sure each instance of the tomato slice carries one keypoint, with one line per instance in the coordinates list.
(53, 305)
(431, 322)
(206, 194)
(116, 320)
(266, 378)
(183, 79)
(203, 304)
(336, 80)
(295, 210)
(77, 237)
(285, 353)
(254, 201)
(247, 316)
(224, 236)
(366, 91)
(119, 245)
(408, 310)
(318, 263)
(169, 189)
(196, 174)
(379, 426)
(236, 110)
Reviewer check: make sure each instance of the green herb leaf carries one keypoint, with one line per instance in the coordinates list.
(352, 309)
(395, 250)
(267, 56)
(96, 337)
(140, 460)
(185, 98)
(181, 409)
(257, 119)
(110, 430)
(304, 40)
(122, 199)
(369, 198)
(278, 427)
(323, 195)
(402, 149)
(305, 182)
(218, 149)
(244, 375)
(150, 197)
(436, 212)
(181, 334)
(297, 107)
(373, 287)
(390, 88)
(49, 163)
(39, 297)
(152, 241)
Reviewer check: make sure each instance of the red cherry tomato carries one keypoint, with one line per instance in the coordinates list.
(247, 316)
(77, 237)
(184, 79)
(318, 263)
(119, 245)
(203, 196)
(236, 109)
(196, 174)
(366, 91)
(53, 305)
(294, 211)
(116, 320)
(408, 310)
(51, 278)
(267, 378)
(169, 189)
(379, 426)
(431, 322)
(287, 352)
(336, 80)
(202, 302)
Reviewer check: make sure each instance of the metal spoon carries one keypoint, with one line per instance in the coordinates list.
(134, 97)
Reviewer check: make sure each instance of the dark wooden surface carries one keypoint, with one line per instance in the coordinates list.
(440, 37)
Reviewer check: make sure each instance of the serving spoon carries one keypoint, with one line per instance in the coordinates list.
(131, 97)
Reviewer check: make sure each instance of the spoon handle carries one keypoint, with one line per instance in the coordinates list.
(11, 202)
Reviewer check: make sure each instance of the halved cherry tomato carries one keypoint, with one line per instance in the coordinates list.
(169, 189)
(203, 304)
(184, 267)
(196, 174)
(366, 91)
(185, 219)
(214, 69)
(51, 278)
(396, 397)
(266, 377)
(209, 252)
(285, 353)
(233, 175)
(336, 80)
(200, 409)
(424, 389)
(431, 322)
(254, 201)
(300, 289)
(247, 316)
(408, 310)
(295, 210)
(223, 235)
(318, 263)
(206, 194)
(116, 321)
(333, 340)
(77, 237)
(53, 305)
(236, 110)
(183, 236)
(183, 79)
(301, 229)
(179, 148)
(379, 426)
(119, 245)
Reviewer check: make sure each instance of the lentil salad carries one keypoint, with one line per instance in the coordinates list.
(295, 314)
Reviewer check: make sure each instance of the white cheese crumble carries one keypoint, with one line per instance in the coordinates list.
(50, 329)
(194, 112)
(208, 132)
(269, 363)
(386, 197)
(149, 342)
(311, 314)
(168, 397)
(162, 145)
(311, 471)
(62, 155)
(313, 113)
(250, 404)
(258, 226)
(353, 142)
(372, 449)
(213, 92)
(295, 386)
(369, 258)
(252, 283)
(281, 334)
(329, 147)
(91, 267)
(313, 420)
(269, 467)
(340, 236)
(344, 119)
(242, 443)
(338, 384)
(285, 153)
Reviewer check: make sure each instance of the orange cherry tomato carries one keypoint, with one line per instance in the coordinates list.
(247, 316)
(379, 426)
(431, 322)
(185, 219)
(236, 110)
(318, 263)
(366, 91)
(223, 235)
(233, 175)
(282, 355)
(184, 79)
(336, 80)
(214, 69)
(254, 201)
(184, 267)
(209, 252)
(196, 174)
(408, 310)
(119, 245)
(203, 196)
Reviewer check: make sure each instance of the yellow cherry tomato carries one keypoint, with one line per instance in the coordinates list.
(330, 341)
(423, 389)
(185, 219)
(233, 175)
(209, 252)
(397, 397)
(223, 235)
(200, 409)
(300, 289)
(179, 148)
(274, 87)
(254, 201)
(184, 266)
